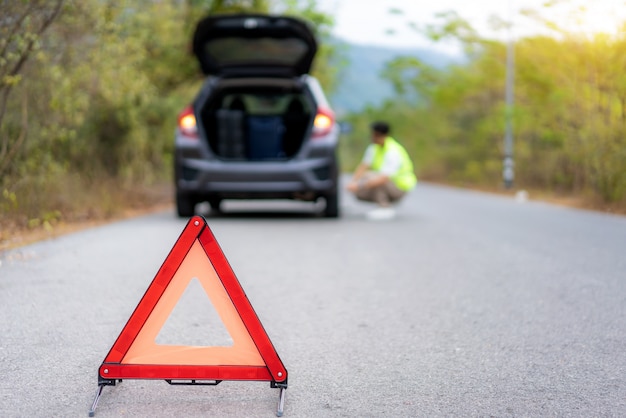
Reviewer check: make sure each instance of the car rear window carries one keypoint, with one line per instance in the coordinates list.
(231, 51)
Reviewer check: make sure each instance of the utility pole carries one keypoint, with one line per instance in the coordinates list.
(508, 172)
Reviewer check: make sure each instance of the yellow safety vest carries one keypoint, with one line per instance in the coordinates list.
(405, 178)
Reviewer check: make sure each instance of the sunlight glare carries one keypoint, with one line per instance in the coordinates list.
(578, 17)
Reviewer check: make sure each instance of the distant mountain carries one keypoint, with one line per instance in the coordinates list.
(361, 84)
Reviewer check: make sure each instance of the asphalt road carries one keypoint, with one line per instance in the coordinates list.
(466, 304)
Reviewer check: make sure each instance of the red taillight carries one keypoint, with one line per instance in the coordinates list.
(187, 122)
(324, 122)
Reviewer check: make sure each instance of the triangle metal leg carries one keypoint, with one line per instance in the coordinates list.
(92, 411)
(281, 402)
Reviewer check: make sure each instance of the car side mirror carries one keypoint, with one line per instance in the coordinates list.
(345, 127)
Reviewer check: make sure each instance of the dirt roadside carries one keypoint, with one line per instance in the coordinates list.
(138, 202)
(19, 237)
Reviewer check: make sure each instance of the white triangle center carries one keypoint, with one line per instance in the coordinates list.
(194, 321)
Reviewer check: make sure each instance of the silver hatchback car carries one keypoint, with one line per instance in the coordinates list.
(260, 127)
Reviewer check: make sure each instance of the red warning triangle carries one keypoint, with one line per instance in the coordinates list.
(195, 256)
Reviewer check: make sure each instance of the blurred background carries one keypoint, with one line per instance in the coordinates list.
(90, 92)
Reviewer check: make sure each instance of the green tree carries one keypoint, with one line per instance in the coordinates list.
(21, 28)
(569, 114)
(89, 95)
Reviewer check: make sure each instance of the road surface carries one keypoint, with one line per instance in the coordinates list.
(465, 304)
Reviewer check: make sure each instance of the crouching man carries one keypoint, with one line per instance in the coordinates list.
(385, 173)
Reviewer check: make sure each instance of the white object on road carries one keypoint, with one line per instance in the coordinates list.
(521, 196)
(381, 214)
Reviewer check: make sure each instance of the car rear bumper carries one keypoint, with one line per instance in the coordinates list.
(247, 179)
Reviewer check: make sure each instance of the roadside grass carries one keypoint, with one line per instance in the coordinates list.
(63, 207)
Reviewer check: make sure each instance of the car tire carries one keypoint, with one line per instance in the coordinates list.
(332, 205)
(185, 205)
(216, 204)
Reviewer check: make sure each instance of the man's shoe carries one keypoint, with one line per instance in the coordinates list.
(381, 214)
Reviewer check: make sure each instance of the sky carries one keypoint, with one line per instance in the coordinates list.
(367, 21)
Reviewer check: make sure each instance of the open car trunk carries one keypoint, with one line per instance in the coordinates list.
(246, 44)
(257, 120)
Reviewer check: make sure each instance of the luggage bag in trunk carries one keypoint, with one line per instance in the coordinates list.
(231, 142)
(265, 137)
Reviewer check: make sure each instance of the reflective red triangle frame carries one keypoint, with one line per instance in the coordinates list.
(197, 229)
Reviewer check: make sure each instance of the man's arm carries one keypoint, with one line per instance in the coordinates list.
(373, 181)
(358, 173)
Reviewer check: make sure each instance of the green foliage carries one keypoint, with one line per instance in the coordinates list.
(569, 115)
(328, 60)
(89, 94)
(21, 28)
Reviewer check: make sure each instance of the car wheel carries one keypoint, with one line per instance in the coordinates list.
(332, 205)
(185, 205)
(215, 204)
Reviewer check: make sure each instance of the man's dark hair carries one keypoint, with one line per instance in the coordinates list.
(380, 127)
